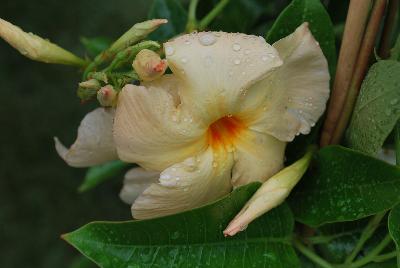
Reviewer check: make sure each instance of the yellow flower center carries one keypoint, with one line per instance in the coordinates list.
(223, 132)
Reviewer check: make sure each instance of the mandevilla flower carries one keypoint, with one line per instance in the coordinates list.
(221, 120)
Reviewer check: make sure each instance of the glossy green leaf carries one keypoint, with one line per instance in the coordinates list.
(95, 45)
(394, 228)
(377, 109)
(313, 12)
(344, 185)
(192, 239)
(98, 174)
(176, 15)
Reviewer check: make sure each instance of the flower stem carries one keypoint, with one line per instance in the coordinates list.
(213, 13)
(192, 20)
(323, 239)
(311, 255)
(385, 257)
(397, 142)
(390, 25)
(367, 47)
(373, 253)
(365, 235)
(356, 20)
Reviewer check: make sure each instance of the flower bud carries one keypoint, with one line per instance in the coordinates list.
(138, 32)
(107, 96)
(148, 65)
(270, 195)
(88, 89)
(35, 47)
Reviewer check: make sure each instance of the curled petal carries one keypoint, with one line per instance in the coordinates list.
(271, 194)
(217, 68)
(258, 156)
(186, 185)
(150, 128)
(296, 93)
(94, 144)
(135, 182)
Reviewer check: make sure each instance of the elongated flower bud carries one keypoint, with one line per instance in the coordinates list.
(138, 32)
(271, 194)
(35, 47)
(148, 65)
(107, 96)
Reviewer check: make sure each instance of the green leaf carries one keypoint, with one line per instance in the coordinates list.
(95, 45)
(377, 108)
(192, 239)
(313, 12)
(394, 229)
(98, 174)
(345, 185)
(176, 15)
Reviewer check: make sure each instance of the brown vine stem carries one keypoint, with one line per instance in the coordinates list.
(390, 25)
(363, 59)
(357, 16)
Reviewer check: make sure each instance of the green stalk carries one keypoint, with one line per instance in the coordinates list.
(385, 257)
(192, 20)
(373, 253)
(397, 142)
(213, 13)
(311, 255)
(365, 235)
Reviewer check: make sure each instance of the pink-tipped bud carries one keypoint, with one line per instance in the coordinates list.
(107, 96)
(148, 65)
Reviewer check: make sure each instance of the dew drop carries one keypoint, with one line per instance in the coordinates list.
(184, 60)
(169, 50)
(236, 61)
(214, 164)
(247, 51)
(236, 47)
(394, 101)
(207, 39)
(187, 42)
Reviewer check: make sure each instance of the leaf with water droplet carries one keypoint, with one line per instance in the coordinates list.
(377, 108)
(185, 239)
(344, 178)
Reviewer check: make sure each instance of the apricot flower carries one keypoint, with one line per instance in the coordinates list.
(220, 120)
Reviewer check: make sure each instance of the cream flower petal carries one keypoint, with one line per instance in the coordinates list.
(135, 182)
(186, 185)
(94, 144)
(217, 68)
(296, 93)
(150, 128)
(258, 156)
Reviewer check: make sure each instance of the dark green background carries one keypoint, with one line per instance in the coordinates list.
(38, 197)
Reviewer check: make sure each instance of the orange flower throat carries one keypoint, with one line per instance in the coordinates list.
(223, 132)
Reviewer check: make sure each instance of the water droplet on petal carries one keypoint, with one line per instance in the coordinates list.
(247, 51)
(169, 50)
(207, 39)
(184, 60)
(236, 47)
(187, 42)
(236, 61)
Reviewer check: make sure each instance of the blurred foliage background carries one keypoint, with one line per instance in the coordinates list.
(38, 191)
